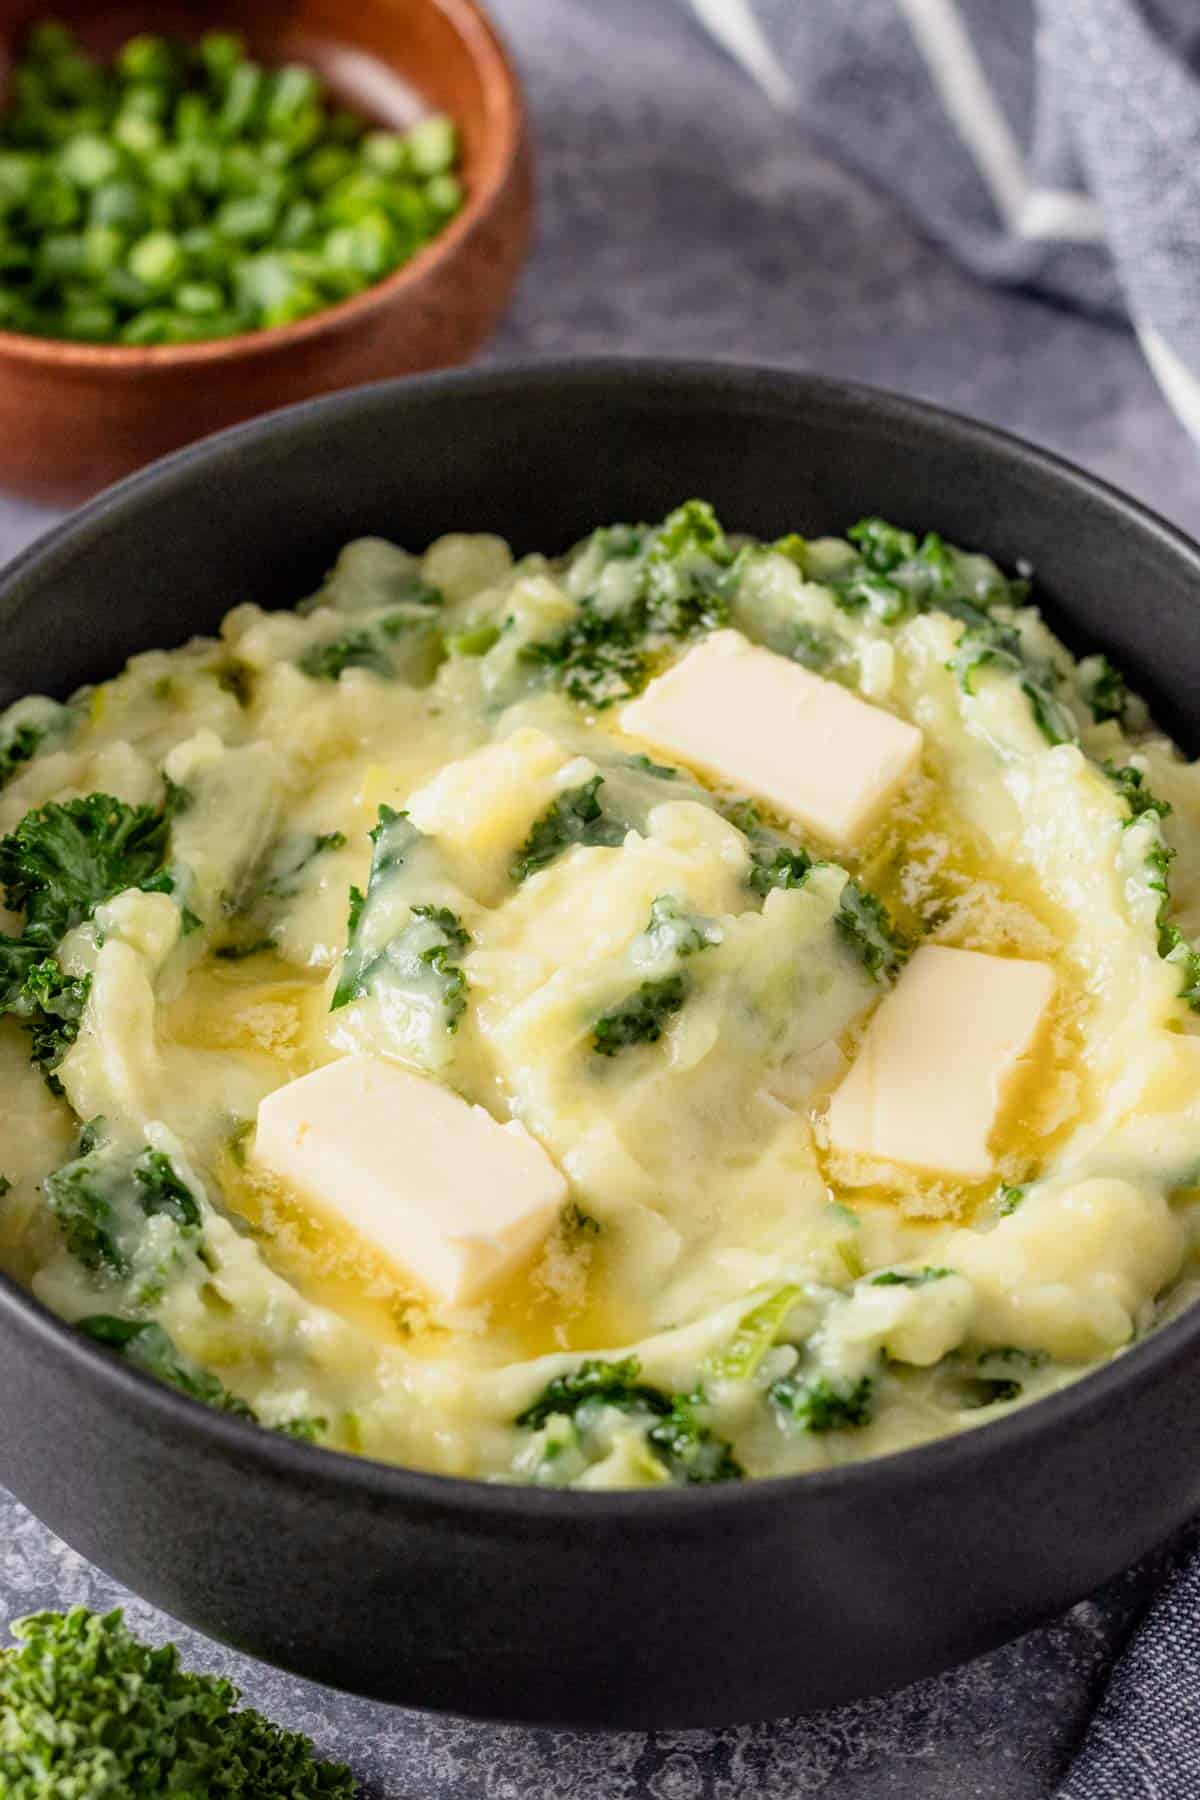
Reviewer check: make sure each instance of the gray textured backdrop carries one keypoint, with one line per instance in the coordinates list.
(679, 214)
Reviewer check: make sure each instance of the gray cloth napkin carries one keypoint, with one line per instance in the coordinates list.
(1053, 144)
(1143, 1742)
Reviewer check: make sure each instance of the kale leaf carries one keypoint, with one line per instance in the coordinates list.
(1147, 812)
(640, 1018)
(57, 867)
(866, 924)
(815, 1403)
(894, 577)
(999, 646)
(147, 1346)
(65, 860)
(393, 837)
(908, 1278)
(90, 1712)
(101, 1196)
(366, 646)
(1131, 784)
(1104, 691)
(613, 1383)
(691, 1451)
(778, 866)
(360, 648)
(687, 1448)
(50, 1005)
(21, 740)
(576, 817)
(682, 571)
(862, 919)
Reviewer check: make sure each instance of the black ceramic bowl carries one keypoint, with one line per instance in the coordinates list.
(684, 1608)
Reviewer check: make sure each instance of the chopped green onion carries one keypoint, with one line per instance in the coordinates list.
(185, 191)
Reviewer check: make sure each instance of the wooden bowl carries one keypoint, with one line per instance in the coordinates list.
(74, 417)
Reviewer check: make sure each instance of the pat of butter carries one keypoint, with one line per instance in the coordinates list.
(757, 721)
(939, 1060)
(433, 1182)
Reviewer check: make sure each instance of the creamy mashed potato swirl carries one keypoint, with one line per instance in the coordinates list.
(414, 821)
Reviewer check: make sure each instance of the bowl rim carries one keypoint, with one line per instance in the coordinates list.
(504, 131)
(471, 1500)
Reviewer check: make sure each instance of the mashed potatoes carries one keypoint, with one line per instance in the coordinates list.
(438, 818)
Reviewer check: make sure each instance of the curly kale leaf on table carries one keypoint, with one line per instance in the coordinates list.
(89, 1713)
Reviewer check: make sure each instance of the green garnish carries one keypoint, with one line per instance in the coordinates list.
(186, 192)
(63, 861)
(613, 1383)
(1147, 812)
(681, 570)
(910, 1278)
(21, 739)
(57, 867)
(861, 918)
(1104, 691)
(814, 1403)
(87, 1711)
(576, 817)
(393, 837)
(674, 1430)
(104, 1196)
(640, 1019)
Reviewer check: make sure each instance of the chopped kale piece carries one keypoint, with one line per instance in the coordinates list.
(1132, 786)
(649, 767)
(147, 1346)
(862, 919)
(999, 646)
(51, 1006)
(815, 649)
(438, 955)
(101, 1198)
(909, 1278)
(883, 547)
(576, 817)
(63, 861)
(21, 740)
(866, 925)
(672, 931)
(684, 567)
(687, 1448)
(1104, 691)
(778, 867)
(815, 1403)
(290, 857)
(356, 649)
(612, 1383)
(303, 1430)
(640, 1018)
(691, 1451)
(393, 837)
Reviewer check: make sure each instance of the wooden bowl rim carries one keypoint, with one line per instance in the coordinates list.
(504, 124)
